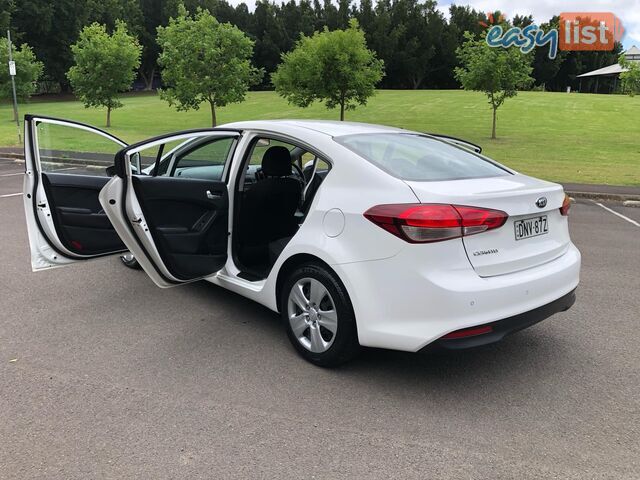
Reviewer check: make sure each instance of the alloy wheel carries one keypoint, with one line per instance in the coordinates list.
(312, 315)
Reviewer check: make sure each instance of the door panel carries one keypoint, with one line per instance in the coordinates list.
(188, 227)
(79, 219)
(65, 166)
(175, 224)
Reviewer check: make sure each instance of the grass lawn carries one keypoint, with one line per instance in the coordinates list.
(561, 137)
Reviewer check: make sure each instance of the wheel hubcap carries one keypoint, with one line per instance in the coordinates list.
(312, 315)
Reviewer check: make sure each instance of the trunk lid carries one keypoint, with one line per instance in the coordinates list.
(498, 252)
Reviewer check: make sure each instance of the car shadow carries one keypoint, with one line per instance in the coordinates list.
(528, 353)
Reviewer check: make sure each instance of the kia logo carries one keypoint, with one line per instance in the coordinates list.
(541, 202)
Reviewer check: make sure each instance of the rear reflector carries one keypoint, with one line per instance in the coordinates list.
(468, 332)
(566, 205)
(422, 223)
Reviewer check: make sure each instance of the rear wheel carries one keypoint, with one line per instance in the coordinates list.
(318, 316)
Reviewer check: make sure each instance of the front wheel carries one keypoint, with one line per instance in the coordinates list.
(318, 316)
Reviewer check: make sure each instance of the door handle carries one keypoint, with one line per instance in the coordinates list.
(213, 196)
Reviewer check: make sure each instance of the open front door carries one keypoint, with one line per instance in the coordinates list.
(65, 169)
(175, 217)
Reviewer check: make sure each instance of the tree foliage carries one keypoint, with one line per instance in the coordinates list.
(498, 72)
(105, 65)
(331, 66)
(6, 10)
(630, 80)
(204, 60)
(28, 71)
(416, 42)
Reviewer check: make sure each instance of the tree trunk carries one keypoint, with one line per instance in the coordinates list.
(342, 111)
(213, 113)
(108, 116)
(493, 129)
(148, 79)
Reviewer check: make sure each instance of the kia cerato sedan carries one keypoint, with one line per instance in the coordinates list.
(358, 235)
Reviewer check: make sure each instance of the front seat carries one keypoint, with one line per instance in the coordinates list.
(269, 207)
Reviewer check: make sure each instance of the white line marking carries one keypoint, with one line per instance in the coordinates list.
(632, 222)
(11, 195)
(10, 174)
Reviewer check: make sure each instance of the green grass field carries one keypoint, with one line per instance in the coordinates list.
(561, 137)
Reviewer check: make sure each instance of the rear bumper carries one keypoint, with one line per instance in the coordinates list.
(413, 299)
(506, 326)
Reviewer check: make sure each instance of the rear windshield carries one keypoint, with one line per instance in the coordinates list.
(419, 158)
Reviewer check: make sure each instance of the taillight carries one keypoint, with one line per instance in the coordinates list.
(422, 223)
(566, 205)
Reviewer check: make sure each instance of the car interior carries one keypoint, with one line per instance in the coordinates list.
(272, 201)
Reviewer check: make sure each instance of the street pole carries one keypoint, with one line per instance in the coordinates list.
(12, 74)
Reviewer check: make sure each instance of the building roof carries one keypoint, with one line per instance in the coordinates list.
(616, 68)
(633, 51)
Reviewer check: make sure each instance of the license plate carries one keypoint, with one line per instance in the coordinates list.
(531, 227)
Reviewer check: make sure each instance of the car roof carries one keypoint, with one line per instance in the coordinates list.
(327, 127)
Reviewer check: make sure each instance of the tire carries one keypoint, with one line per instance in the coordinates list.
(321, 337)
(130, 261)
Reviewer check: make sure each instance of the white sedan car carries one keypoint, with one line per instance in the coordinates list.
(359, 235)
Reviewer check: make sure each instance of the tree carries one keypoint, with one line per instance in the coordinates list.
(28, 71)
(630, 80)
(419, 30)
(204, 60)
(498, 72)
(105, 66)
(334, 67)
(270, 36)
(49, 28)
(6, 9)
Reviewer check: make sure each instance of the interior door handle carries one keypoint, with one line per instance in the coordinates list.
(213, 196)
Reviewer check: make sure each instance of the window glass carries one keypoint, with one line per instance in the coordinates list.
(419, 158)
(149, 156)
(322, 166)
(70, 150)
(209, 156)
(262, 145)
(196, 157)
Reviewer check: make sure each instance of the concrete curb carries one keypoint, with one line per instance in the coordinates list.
(11, 155)
(633, 200)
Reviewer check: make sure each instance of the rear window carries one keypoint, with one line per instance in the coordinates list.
(419, 158)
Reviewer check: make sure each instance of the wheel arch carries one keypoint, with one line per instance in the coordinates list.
(293, 262)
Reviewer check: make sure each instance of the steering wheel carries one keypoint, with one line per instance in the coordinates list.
(298, 173)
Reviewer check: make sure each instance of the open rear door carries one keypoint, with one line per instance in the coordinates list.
(65, 169)
(174, 218)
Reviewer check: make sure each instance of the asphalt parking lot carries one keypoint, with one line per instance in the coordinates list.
(104, 375)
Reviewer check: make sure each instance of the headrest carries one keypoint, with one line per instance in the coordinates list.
(276, 162)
